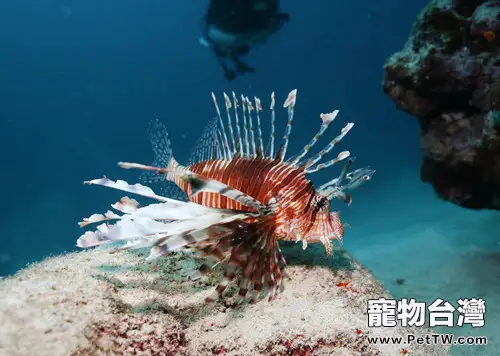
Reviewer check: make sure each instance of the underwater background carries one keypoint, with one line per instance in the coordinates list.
(80, 81)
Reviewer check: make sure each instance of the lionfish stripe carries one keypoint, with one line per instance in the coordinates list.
(198, 184)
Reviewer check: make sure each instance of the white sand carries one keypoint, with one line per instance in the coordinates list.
(72, 304)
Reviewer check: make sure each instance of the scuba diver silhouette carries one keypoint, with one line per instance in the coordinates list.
(233, 27)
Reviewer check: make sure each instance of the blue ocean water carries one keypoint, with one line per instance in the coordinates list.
(81, 79)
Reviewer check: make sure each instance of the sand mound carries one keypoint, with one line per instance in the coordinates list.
(96, 303)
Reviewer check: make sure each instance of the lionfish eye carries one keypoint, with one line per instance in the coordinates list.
(320, 204)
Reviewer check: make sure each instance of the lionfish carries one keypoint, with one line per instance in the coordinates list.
(241, 199)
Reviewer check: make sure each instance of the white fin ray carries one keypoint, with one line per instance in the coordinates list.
(137, 188)
(146, 228)
(227, 102)
(258, 109)
(272, 135)
(95, 218)
(245, 127)
(290, 105)
(250, 110)
(237, 122)
(228, 153)
(126, 205)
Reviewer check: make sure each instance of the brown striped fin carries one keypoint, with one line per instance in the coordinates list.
(255, 259)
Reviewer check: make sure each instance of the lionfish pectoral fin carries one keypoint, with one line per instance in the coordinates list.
(202, 270)
(256, 258)
(124, 186)
(328, 247)
(165, 228)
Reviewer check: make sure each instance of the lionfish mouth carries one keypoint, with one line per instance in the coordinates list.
(234, 201)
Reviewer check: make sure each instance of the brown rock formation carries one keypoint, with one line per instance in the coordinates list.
(448, 76)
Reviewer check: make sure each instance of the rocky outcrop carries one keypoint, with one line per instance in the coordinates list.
(448, 76)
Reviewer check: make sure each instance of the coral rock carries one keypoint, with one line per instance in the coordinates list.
(448, 76)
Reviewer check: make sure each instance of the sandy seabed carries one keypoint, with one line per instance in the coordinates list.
(97, 303)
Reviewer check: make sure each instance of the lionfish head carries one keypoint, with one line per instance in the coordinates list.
(320, 224)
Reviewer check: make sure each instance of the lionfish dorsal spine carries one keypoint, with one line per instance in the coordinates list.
(290, 105)
(227, 149)
(245, 127)
(237, 123)
(315, 159)
(245, 143)
(227, 102)
(326, 120)
(341, 156)
(272, 134)
(258, 109)
(250, 110)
